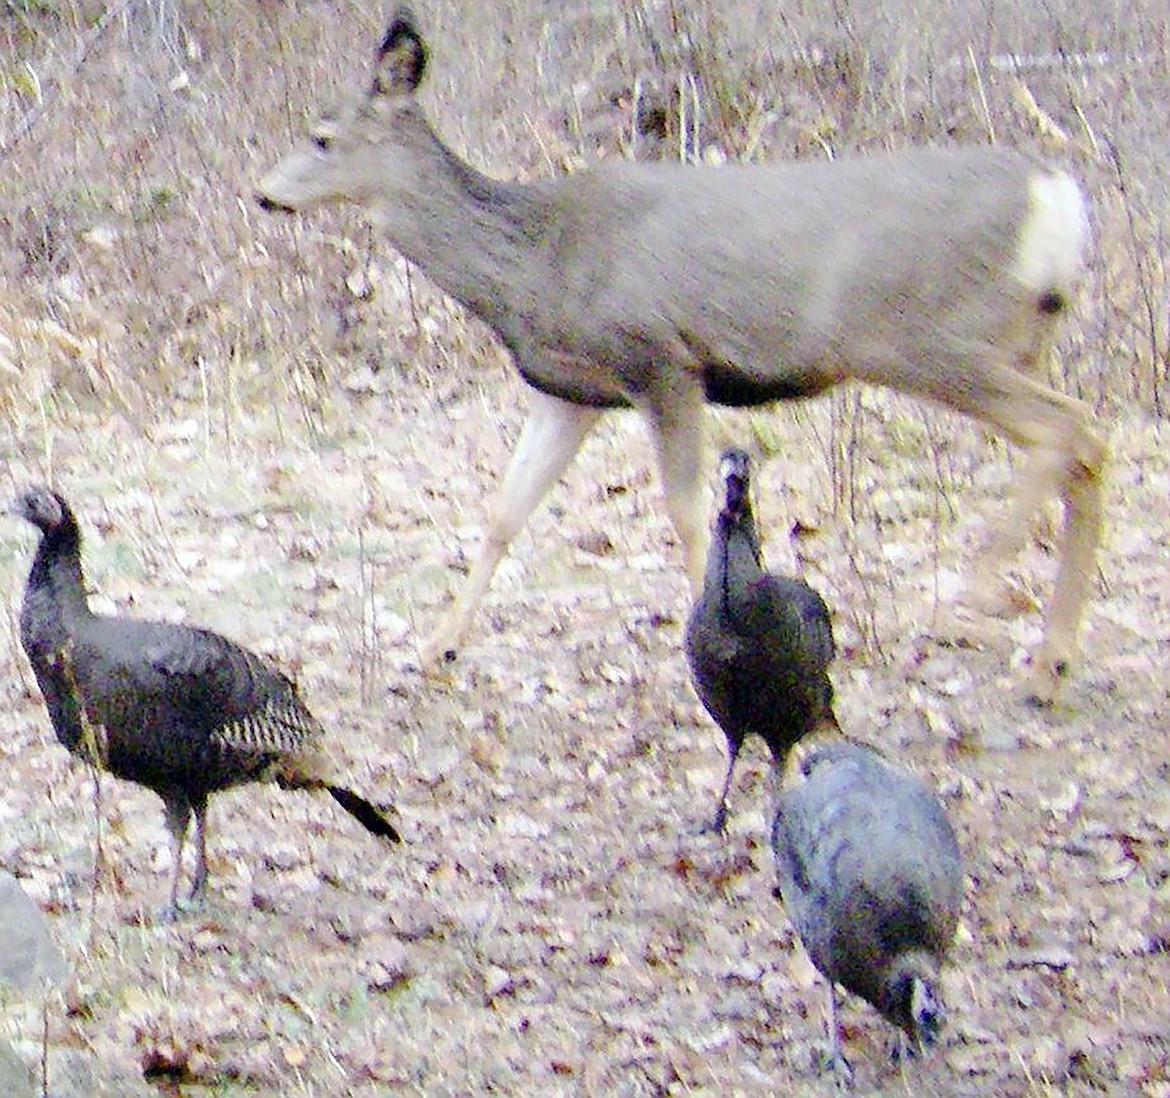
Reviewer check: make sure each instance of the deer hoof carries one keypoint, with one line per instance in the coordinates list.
(1050, 670)
(436, 654)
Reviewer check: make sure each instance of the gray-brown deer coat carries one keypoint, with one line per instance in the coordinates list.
(937, 272)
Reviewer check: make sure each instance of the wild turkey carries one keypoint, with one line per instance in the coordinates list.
(759, 645)
(180, 710)
(870, 874)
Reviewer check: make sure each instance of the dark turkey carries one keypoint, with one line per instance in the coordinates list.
(182, 711)
(759, 645)
(870, 873)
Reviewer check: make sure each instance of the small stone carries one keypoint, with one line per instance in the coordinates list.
(496, 982)
(1054, 956)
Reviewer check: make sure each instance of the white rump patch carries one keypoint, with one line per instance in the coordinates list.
(1054, 234)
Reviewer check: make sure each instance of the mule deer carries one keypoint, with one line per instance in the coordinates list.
(940, 273)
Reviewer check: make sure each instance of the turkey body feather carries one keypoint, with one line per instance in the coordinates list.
(758, 645)
(871, 876)
(181, 710)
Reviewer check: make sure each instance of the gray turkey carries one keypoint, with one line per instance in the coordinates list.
(870, 874)
(180, 710)
(758, 645)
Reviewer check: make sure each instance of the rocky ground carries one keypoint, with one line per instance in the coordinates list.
(553, 925)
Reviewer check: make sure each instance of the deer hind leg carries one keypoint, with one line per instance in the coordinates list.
(552, 434)
(1066, 460)
(677, 426)
(1036, 482)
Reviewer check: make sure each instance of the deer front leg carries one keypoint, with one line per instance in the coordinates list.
(552, 434)
(677, 425)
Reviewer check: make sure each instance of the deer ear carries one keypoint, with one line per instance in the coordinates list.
(402, 57)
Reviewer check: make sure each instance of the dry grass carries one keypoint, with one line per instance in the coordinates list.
(281, 432)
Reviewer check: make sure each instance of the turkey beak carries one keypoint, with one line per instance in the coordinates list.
(733, 465)
(734, 471)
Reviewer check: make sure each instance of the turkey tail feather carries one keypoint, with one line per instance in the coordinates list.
(365, 813)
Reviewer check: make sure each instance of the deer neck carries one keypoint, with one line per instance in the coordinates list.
(476, 238)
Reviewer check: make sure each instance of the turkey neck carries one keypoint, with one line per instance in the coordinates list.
(56, 571)
(737, 566)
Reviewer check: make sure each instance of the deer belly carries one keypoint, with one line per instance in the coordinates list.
(577, 382)
(727, 385)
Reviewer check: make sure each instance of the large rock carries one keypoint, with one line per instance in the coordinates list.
(16, 1080)
(28, 956)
